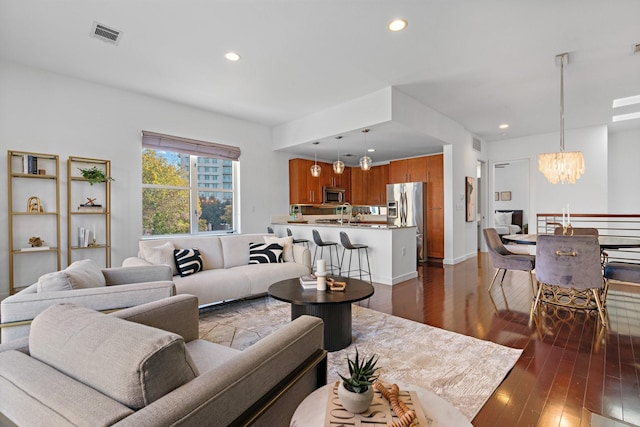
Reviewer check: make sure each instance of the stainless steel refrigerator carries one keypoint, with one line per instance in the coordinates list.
(406, 207)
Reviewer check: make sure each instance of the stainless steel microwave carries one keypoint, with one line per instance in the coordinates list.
(332, 195)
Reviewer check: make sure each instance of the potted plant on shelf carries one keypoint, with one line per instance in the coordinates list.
(94, 175)
(356, 391)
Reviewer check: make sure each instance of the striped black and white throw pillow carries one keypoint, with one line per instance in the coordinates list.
(265, 253)
(188, 261)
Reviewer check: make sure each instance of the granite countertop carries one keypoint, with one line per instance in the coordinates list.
(347, 225)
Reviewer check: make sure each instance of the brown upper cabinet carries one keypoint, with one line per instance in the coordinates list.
(369, 187)
(408, 170)
(307, 189)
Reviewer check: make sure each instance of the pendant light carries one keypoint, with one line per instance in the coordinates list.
(338, 165)
(365, 161)
(562, 166)
(316, 169)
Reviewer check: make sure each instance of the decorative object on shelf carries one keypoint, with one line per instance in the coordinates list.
(356, 391)
(94, 175)
(29, 164)
(42, 171)
(365, 161)
(35, 242)
(34, 205)
(90, 206)
(316, 169)
(338, 165)
(562, 166)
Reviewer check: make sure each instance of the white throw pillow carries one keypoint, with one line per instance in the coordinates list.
(286, 243)
(162, 254)
(85, 274)
(53, 282)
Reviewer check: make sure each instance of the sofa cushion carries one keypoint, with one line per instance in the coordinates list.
(54, 282)
(265, 253)
(85, 274)
(131, 363)
(162, 254)
(287, 246)
(188, 261)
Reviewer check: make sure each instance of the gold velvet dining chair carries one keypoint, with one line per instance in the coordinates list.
(503, 259)
(569, 274)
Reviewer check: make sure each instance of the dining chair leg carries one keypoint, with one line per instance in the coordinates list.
(536, 301)
(494, 279)
(533, 288)
(504, 273)
(600, 307)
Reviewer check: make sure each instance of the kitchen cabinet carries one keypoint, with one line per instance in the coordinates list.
(378, 180)
(303, 187)
(307, 189)
(435, 206)
(369, 187)
(408, 170)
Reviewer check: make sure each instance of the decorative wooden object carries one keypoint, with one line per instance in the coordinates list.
(379, 414)
(34, 205)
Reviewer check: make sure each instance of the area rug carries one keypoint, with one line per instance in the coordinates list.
(462, 370)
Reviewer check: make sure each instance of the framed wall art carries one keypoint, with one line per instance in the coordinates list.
(505, 196)
(470, 198)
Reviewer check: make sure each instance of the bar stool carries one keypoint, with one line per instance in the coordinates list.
(348, 246)
(303, 241)
(321, 244)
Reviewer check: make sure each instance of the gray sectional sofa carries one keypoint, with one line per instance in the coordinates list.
(64, 373)
(227, 274)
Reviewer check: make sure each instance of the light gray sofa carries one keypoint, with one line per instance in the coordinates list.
(86, 284)
(227, 274)
(145, 366)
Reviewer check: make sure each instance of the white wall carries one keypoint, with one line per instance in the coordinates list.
(624, 172)
(49, 113)
(587, 195)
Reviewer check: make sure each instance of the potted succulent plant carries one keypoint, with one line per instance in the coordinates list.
(94, 175)
(356, 390)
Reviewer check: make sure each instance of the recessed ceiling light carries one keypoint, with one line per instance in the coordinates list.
(504, 126)
(623, 117)
(232, 56)
(397, 25)
(622, 102)
(371, 150)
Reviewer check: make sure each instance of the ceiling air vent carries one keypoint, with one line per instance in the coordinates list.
(105, 34)
(477, 144)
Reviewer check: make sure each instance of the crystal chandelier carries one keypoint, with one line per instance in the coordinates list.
(338, 165)
(365, 161)
(562, 166)
(316, 169)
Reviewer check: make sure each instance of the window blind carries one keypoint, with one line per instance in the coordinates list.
(160, 141)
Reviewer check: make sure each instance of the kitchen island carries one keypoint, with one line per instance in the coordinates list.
(392, 250)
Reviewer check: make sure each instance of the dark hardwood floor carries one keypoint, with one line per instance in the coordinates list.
(570, 368)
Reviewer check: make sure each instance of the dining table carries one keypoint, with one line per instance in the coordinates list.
(606, 242)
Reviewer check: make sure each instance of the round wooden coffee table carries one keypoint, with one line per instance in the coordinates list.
(334, 308)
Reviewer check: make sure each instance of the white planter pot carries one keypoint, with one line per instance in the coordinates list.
(355, 402)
